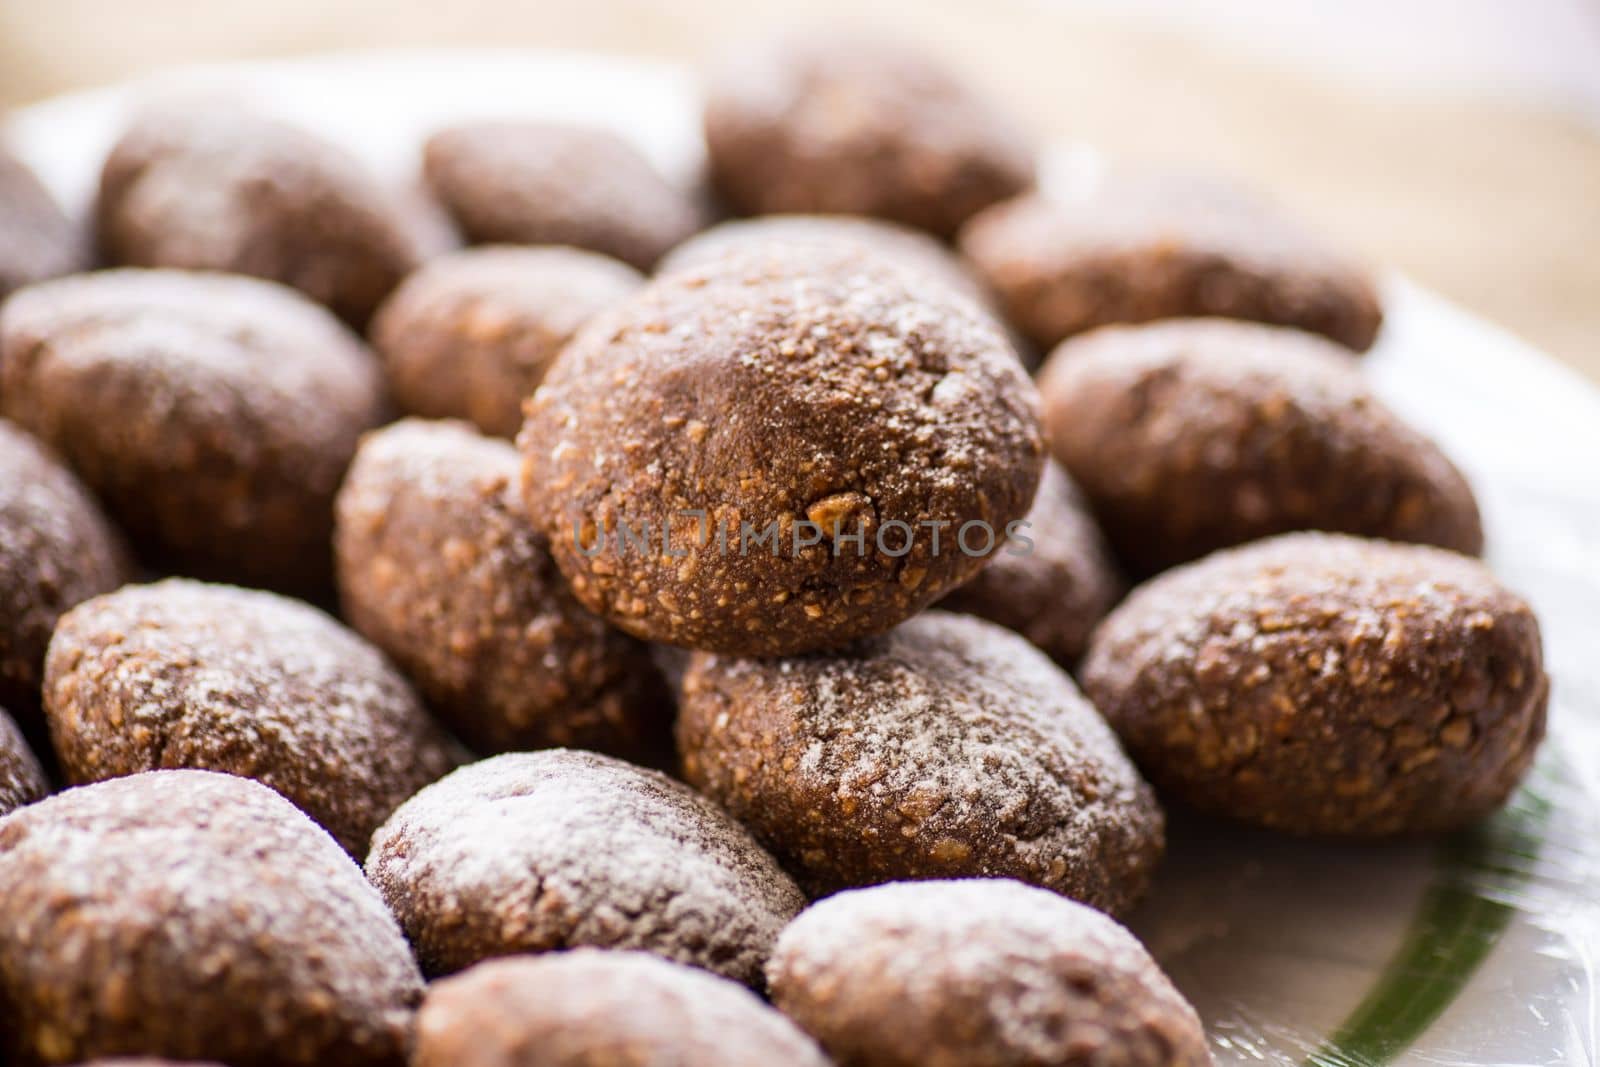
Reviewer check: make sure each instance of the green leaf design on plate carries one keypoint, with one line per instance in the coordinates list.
(1459, 920)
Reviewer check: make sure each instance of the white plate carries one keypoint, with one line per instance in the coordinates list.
(1480, 950)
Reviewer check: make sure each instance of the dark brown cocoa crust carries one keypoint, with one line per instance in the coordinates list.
(948, 747)
(56, 549)
(213, 415)
(814, 385)
(1054, 592)
(471, 334)
(37, 240)
(824, 122)
(978, 973)
(590, 1008)
(555, 183)
(440, 568)
(22, 780)
(909, 248)
(206, 186)
(1193, 435)
(538, 851)
(1323, 684)
(195, 916)
(1145, 247)
(181, 674)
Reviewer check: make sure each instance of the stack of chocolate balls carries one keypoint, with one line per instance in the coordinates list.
(724, 717)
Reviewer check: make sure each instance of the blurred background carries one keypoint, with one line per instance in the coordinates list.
(1457, 141)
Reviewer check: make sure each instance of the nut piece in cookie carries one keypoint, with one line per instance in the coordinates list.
(56, 550)
(978, 973)
(948, 747)
(214, 415)
(554, 183)
(471, 334)
(182, 674)
(779, 452)
(538, 851)
(1139, 247)
(194, 916)
(37, 240)
(823, 122)
(1197, 434)
(1324, 684)
(207, 185)
(439, 567)
(589, 1008)
(1051, 582)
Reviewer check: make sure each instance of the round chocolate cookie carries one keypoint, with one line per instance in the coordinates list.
(181, 674)
(207, 186)
(56, 549)
(1053, 581)
(193, 916)
(978, 973)
(37, 241)
(589, 1008)
(554, 183)
(948, 747)
(1139, 248)
(857, 125)
(781, 452)
(22, 780)
(214, 415)
(439, 567)
(1325, 684)
(537, 851)
(471, 334)
(1193, 435)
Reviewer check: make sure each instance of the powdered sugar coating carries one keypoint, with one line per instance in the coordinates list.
(588, 1008)
(1319, 683)
(183, 674)
(194, 915)
(213, 414)
(22, 780)
(766, 390)
(56, 549)
(37, 241)
(530, 852)
(948, 747)
(471, 334)
(978, 973)
(439, 567)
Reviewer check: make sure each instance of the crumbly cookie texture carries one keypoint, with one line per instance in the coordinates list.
(183, 674)
(1197, 434)
(194, 915)
(721, 409)
(857, 125)
(537, 851)
(1139, 247)
(56, 550)
(205, 185)
(1054, 588)
(555, 183)
(978, 973)
(470, 335)
(440, 568)
(590, 1008)
(1325, 684)
(37, 240)
(22, 780)
(214, 415)
(948, 747)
